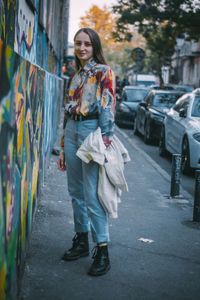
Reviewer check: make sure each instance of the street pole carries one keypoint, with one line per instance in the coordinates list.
(196, 211)
(175, 175)
(136, 72)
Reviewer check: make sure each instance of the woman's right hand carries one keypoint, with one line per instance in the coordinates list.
(61, 162)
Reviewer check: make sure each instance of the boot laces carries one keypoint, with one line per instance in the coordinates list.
(96, 253)
(75, 241)
(75, 238)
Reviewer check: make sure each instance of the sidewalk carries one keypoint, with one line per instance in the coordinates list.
(154, 248)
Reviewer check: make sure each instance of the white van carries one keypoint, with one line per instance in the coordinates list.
(145, 79)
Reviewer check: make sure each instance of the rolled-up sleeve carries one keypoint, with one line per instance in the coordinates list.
(107, 103)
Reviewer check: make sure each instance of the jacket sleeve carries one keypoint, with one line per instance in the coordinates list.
(107, 103)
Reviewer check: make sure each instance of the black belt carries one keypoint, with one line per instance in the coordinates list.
(83, 118)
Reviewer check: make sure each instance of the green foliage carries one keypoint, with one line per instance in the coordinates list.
(160, 22)
(183, 15)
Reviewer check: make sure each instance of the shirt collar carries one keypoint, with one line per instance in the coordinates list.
(88, 66)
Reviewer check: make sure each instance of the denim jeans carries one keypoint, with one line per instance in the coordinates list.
(83, 183)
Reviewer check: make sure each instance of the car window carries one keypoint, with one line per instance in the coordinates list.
(135, 95)
(165, 100)
(182, 103)
(196, 108)
(179, 104)
(145, 83)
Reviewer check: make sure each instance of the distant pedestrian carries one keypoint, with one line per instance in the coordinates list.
(89, 104)
(124, 82)
(118, 88)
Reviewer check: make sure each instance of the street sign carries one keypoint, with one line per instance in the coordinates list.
(138, 54)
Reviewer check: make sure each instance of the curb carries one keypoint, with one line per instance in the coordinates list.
(160, 170)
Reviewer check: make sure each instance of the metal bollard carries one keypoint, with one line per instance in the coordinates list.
(196, 211)
(175, 175)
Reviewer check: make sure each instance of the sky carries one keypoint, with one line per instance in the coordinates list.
(78, 9)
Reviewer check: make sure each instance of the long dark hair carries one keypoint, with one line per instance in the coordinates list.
(96, 45)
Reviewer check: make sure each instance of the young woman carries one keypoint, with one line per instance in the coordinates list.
(89, 103)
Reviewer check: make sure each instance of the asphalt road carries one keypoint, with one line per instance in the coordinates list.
(187, 182)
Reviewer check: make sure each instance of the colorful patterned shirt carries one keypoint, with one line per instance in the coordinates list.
(92, 90)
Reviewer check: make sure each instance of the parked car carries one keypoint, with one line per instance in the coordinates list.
(181, 87)
(150, 113)
(181, 131)
(158, 87)
(126, 105)
(170, 86)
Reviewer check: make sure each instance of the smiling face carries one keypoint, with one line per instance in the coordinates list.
(83, 48)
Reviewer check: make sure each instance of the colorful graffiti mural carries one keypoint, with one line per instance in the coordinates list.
(35, 34)
(30, 101)
(29, 106)
(7, 21)
(25, 31)
(2, 20)
(39, 44)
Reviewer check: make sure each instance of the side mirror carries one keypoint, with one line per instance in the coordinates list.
(143, 104)
(182, 113)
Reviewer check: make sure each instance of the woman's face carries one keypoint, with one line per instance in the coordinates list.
(83, 48)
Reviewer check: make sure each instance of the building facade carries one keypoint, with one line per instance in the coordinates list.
(186, 63)
(190, 63)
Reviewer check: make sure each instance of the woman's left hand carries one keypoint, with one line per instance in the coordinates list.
(106, 140)
(61, 162)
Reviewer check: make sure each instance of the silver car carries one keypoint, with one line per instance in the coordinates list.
(180, 133)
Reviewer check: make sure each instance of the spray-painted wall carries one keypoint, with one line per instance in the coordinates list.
(30, 101)
(34, 31)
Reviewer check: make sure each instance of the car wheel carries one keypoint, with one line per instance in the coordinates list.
(185, 161)
(162, 150)
(147, 137)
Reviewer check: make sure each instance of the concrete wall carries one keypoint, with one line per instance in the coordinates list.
(31, 94)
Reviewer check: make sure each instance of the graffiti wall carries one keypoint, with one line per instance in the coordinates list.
(30, 100)
(33, 29)
(37, 33)
(29, 108)
(25, 31)
(7, 21)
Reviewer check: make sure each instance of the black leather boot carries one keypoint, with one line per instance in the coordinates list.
(101, 263)
(80, 247)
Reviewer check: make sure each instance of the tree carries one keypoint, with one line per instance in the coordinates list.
(182, 15)
(160, 43)
(118, 54)
(101, 20)
(160, 22)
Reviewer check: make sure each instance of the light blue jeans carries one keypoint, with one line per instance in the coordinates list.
(83, 183)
